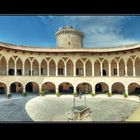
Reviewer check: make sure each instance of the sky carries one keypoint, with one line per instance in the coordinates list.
(100, 31)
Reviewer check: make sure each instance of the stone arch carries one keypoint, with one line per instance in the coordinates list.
(134, 88)
(11, 66)
(52, 67)
(27, 66)
(61, 67)
(19, 66)
(130, 67)
(121, 67)
(43, 67)
(118, 87)
(137, 66)
(88, 68)
(32, 87)
(97, 68)
(3, 88)
(65, 87)
(113, 67)
(3, 67)
(79, 68)
(101, 87)
(35, 67)
(16, 87)
(49, 87)
(84, 88)
(69, 68)
(105, 68)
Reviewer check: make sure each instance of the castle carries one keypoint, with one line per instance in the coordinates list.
(69, 67)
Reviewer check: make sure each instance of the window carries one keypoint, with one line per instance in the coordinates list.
(69, 43)
(41, 71)
(79, 71)
(115, 71)
(19, 72)
(60, 71)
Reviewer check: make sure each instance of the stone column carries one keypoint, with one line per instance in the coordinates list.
(110, 91)
(7, 68)
(93, 89)
(109, 68)
(24, 89)
(39, 70)
(8, 90)
(15, 68)
(84, 65)
(48, 72)
(126, 69)
(65, 66)
(75, 90)
(23, 69)
(134, 70)
(57, 89)
(31, 69)
(118, 73)
(56, 74)
(126, 90)
(93, 69)
(74, 69)
(101, 69)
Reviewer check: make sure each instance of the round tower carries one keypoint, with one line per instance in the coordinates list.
(68, 37)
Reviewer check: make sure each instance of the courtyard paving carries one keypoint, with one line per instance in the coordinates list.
(103, 108)
(13, 109)
(51, 108)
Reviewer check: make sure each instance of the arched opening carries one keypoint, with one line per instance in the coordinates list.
(49, 88)
(137, 66)
(118, 88)
(84, 88)
(129, 67)
(3, 69)
(88, 68)
(105, 68)
(32, 87)
(52, 68)
(11, 66)
(79, 68)
(35, 66)
(134, 88)
(3, 88)
(121, 67)
(97, 68)
(66, 87)
(61, 68)
(69, 68)
(27, 67)
(101, 88)
(19, 67)
(113, 67)
(43, 67)
(16, 87)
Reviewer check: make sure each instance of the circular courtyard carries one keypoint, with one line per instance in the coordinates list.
(52, 108)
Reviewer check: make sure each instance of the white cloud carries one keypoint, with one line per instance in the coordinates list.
(100, 31)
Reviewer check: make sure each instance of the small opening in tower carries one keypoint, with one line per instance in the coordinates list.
(69, 43)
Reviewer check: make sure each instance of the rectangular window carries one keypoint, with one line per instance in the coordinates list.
(60, 71)
(19, 72)
(41, 71)
(77, 71)
(115, 71)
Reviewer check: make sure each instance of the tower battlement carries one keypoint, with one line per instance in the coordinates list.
(68, 37)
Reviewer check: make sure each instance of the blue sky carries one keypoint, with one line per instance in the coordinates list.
(100, 31)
